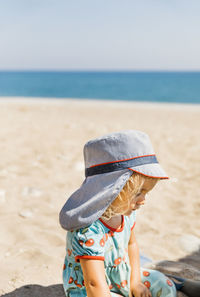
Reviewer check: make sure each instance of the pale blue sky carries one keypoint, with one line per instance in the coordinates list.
(100, 34)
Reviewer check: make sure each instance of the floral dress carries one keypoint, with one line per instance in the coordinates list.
(101, 242)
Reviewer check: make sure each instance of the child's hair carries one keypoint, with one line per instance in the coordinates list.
(129, 191)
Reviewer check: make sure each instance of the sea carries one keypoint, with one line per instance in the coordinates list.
(148, 86)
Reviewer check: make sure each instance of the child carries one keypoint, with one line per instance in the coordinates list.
(102, 257)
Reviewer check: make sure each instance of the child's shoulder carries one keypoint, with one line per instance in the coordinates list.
(95, 228)
(86, 237)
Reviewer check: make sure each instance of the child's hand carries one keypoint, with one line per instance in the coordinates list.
(140, 290)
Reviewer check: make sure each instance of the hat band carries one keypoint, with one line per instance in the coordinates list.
(119, 165)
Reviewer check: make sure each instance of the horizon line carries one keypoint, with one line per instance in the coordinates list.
(98, 70)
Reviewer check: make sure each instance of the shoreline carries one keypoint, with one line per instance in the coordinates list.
(109, 102)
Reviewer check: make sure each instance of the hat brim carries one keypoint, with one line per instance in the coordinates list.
(90, 201)
(97, 192)
(151, 170)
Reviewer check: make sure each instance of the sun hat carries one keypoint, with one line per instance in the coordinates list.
(109, 162)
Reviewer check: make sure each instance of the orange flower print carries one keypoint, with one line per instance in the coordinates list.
(89, 242)
(102, 242)
(117, 261)
(169, 283)
(78, 285)
(146, 273)
(124, 283)
(81, 242)
(69, 252)
(147, 284)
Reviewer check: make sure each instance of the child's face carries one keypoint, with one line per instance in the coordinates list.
(139, 199)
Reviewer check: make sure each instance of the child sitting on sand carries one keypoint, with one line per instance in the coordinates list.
(102, 253)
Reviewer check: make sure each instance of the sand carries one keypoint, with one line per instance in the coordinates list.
(41, 164)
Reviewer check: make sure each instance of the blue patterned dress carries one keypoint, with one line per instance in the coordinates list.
(101, 242)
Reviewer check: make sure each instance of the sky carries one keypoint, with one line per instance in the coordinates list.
(100, 35)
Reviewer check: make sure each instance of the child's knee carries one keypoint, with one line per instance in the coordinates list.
(158, 284)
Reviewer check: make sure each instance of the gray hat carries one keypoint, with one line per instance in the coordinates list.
(109, 162)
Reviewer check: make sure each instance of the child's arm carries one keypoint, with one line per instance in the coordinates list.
(94, 278)
(137, 288)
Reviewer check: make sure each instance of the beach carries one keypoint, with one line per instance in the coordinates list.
(41, 164)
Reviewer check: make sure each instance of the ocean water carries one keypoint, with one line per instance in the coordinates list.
(177, 87)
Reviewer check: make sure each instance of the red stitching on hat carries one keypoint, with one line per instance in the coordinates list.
(166, 177)
(121, 160)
